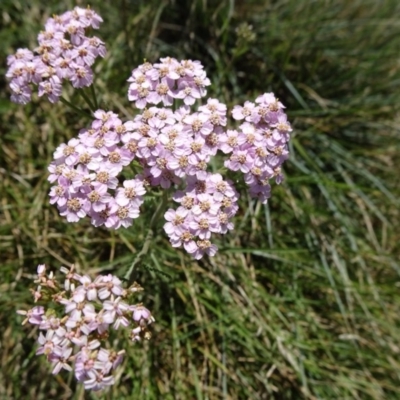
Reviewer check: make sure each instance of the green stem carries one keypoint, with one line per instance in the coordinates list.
(75, 108)
(86, 98)
(148, 238)
(96, 104)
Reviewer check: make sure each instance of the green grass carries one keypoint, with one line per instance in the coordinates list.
(302, 301)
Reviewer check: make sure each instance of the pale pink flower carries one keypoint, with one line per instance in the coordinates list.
(175, 225)
(60, 358)
(97, 381)
(131, 194)
(140, 312)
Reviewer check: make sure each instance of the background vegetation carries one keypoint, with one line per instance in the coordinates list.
(303, 299)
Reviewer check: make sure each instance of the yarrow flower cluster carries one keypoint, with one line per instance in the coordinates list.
(86, 170)
(169, 144)
(206, 207)
(64, 52)
(167, 80)
(259, 147)
(172, 149)
(81, 315)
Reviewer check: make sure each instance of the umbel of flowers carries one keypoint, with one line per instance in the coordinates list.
(169, 145)
(172, 149)
(77, 320)
(64, 52)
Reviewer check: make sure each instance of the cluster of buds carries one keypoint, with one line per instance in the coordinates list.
(64, 52)
(77, 320)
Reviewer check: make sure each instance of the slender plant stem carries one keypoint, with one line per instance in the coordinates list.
(75, 108)
(86, 98)
(96, 104)
(149, 236)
